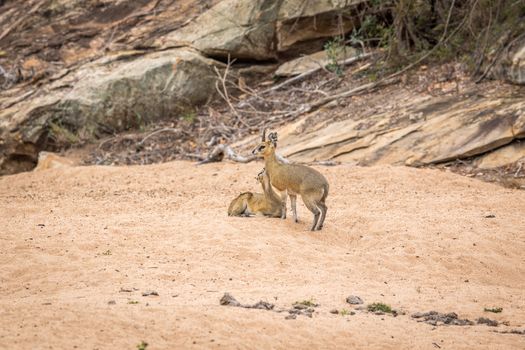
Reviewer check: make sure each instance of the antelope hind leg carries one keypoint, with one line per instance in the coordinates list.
(323, 209)
(313, 208)
(293, 201)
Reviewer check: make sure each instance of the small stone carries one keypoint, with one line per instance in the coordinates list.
(263, 305)
(112, 302)
(487, 321)
(354, 300)
(227, 299)
(334, 311)
(291, 317)
(150, 292)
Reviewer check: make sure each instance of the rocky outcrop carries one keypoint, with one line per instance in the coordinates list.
(241, 29)
(129, 87)
(115, 93)
(422, 131)
(44, 107)
(259, 30)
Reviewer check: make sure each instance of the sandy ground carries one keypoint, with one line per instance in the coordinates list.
(418, 240)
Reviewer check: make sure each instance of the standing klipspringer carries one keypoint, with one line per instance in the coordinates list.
(294, 179)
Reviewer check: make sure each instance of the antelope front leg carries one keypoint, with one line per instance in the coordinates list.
(284, 197)
(293, 201)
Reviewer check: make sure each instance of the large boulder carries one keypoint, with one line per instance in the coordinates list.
(508, 154)
(241, 29)
(259, 29)
(423, 131)
(110, 94)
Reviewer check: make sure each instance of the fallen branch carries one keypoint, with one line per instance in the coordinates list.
(312, 71)
(175, 130)
(221, 151)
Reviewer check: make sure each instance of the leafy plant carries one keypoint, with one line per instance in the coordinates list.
(133, 302)
(495, 310)
(140, 122)
(142, 345)
(189, 115)
(372, 30)
(335, 49)
(60, 133)
(310, 303)
(375, 307)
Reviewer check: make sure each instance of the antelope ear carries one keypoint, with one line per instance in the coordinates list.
(263, 135)
(272, 137)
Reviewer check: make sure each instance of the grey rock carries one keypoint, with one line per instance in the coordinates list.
(228, 299)
(263, 305)
(435, 318)
(487, 321)
(150, 292)
(354, 300)
(111, 93)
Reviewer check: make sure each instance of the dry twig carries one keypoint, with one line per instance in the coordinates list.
(312, 71)
(221, 151)
(175, 130)
(224, 92)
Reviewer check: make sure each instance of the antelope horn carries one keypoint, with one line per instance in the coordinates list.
(263, 136)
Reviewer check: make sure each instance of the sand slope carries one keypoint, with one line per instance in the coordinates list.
(415, 239)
